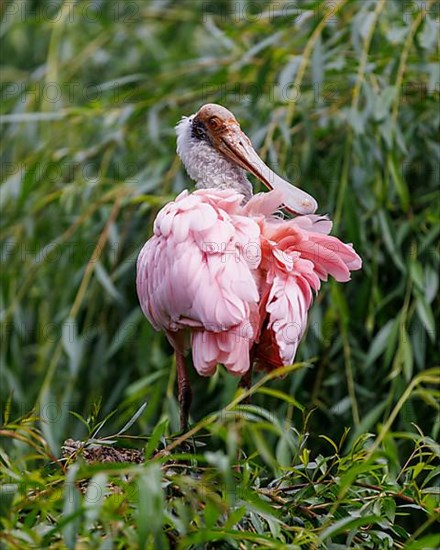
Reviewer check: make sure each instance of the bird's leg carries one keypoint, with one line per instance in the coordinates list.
(184, 390)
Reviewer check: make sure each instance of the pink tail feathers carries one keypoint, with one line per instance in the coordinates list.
(230, 348)
(298, 256)
(329, 255)
(238, 278)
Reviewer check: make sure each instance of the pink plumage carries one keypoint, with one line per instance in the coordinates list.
(236, 276)
(224, 273)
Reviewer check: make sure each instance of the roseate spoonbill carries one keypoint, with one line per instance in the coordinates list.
(223, 272)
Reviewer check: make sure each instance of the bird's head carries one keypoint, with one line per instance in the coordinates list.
(211, 144)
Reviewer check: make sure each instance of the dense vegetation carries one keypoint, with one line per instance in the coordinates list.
(340, 98)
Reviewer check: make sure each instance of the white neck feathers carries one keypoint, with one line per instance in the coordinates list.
(206, 166)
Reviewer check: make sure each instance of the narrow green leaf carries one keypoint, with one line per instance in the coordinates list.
(94, 498)
(151, 504)
(348, 524)
(399, 183)
(380, 342)
(158, 432)
(133, 419)
(282, 396)
(426, 316)
(73, 345)
(105, 280)
(235, 517)
(424, 543)
(72, 503)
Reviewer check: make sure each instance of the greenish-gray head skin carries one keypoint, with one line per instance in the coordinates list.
(216, 153)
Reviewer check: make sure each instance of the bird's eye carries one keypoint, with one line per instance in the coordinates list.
(214, 123)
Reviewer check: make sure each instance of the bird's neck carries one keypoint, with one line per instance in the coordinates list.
(210, 169)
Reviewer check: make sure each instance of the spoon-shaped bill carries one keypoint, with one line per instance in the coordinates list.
(235, 145)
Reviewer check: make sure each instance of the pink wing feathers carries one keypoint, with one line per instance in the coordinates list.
(299, 254)
(195, 272)
(237, 276)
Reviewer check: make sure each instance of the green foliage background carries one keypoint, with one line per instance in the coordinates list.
(340, 98)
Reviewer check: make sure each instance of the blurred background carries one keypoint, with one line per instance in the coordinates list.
(341, 98)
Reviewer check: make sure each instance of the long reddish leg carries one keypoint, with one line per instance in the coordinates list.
(177, 340)
(184, 390)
